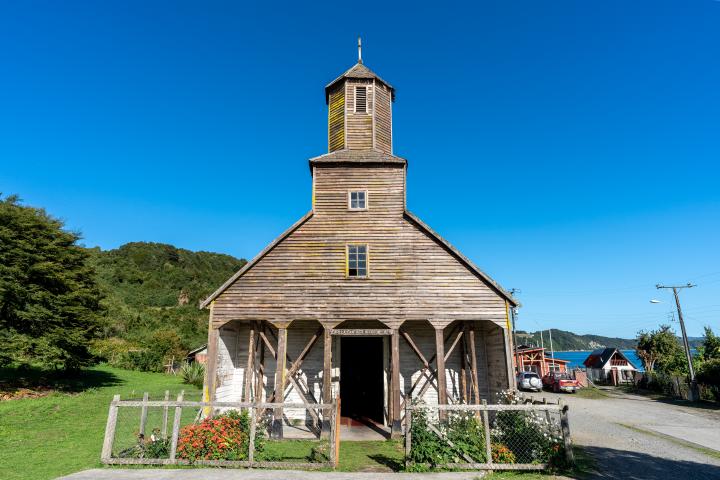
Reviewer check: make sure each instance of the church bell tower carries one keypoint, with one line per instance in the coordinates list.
(359, 110)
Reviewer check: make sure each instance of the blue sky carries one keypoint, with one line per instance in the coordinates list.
(570, 148)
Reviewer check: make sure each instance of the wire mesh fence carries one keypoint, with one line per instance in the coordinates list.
(181, 431)
(496, 437)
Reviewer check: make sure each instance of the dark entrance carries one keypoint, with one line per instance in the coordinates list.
(361, 378)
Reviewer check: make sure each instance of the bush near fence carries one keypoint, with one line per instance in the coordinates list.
(510, 435)
(676, 386)
(183, 432)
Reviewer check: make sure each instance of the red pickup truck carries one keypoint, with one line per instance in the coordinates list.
(560, 382)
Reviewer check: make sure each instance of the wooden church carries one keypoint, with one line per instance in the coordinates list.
(359, 297)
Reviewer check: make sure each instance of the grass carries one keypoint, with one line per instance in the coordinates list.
(584, 466)
(61, 433)
(592, 393)
(387, 456)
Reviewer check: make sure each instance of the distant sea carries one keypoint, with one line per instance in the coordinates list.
(578, 357)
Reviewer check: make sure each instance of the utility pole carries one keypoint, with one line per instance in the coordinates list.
(693, 384)
(552, 350)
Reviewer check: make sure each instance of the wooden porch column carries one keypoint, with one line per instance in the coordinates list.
(249, 367)
(507, 341)
(463, 367)
(396, 427)
(211, 366)
(327, 379)
(440, 361)
(473, 363)
(280, 378)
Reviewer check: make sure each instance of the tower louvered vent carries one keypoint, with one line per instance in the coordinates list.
(361, 99)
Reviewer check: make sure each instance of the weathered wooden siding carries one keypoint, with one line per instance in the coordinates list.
(336, 120)
(411, 276)
(383, 119)
(359, 126)
(496, 359)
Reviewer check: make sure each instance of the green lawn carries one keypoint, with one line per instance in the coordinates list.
(63, 432)
(43, 438)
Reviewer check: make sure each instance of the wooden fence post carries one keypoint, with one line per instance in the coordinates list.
(408, 430)
(251, 445)
(336, 460)
(332, 425)
(110, 429)
(565, 424)
(176, 428)
(165, 415)
(143, 415)
(486, 427)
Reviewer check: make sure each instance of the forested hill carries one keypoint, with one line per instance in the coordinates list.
(563, 340)
(151, 293)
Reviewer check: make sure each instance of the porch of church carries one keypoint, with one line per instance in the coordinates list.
(374, 368)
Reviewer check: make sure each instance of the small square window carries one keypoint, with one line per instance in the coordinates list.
(357, 200)
(357, 265)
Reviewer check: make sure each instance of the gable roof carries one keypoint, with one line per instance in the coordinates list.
(599, 358)
(463, 259)
(358, 71)
(257, 258)
(415, 220)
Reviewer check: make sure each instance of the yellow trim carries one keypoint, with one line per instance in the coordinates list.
(507, 316)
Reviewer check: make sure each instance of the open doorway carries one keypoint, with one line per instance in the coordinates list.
(361, 378)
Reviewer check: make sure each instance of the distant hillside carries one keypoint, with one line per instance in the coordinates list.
(563, 340)
(153, 287)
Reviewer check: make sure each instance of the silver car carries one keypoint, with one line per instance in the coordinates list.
(529, 381)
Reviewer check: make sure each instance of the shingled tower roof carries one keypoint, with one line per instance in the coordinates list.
(359, 70)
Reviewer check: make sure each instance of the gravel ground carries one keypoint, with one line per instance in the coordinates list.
(635, 437)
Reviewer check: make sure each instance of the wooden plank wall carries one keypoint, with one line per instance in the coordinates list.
(336, 119)
(383, 119)
(359, 125)
(411, 277)
(230, 369)
(497, 372)
(233, 358)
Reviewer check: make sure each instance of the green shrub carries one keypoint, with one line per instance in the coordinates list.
(709, 372)
(143, 360)
(153, 447)
(193, 374)
(462, 429)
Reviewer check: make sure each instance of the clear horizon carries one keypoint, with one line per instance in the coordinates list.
(569, 149)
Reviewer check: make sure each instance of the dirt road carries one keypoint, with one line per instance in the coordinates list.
(635, 437)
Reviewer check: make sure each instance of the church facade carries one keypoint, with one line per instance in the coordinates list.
(359, 298)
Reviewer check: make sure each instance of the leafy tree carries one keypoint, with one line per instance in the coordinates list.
(660, 350)
(49, 301)
(711, 345)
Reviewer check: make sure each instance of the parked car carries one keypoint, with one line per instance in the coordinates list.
(529, 381)
(560, 382)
